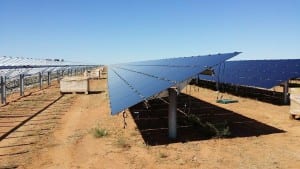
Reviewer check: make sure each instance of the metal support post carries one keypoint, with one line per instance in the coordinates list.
(21, 84)
(49, 78)
(40, 80)
(217, 85)
(286, 92)
(3, 90)
(58, 76)
(172, 113)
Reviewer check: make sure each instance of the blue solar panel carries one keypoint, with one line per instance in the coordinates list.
(166, 72)
(207, 60)
(131, 83)
(120, 92)
(257, 73)
(143, 83)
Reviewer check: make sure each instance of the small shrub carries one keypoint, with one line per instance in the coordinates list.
(162, 155)
(133, 134)
(223, 130)
(122, 143)
(194, 120)
(99, 132)
(208, 129)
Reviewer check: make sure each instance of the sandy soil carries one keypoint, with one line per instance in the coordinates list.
(62, 137)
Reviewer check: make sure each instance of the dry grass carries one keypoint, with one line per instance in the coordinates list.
(123, 143)
(98, 132)
(162, 155)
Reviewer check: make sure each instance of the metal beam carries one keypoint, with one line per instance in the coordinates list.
(172, 113)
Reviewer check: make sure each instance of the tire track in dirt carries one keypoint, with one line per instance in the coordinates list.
(39, 113)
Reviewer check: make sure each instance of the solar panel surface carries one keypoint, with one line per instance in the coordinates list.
(131, 83)
(256, 73)
(11, 67)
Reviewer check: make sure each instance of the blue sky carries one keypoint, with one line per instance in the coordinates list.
(111, 31)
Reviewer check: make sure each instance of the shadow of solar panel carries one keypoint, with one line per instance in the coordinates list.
(257, 73)
(131, 83)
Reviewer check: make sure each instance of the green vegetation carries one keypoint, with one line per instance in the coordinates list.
(98, 132)
(208, 129)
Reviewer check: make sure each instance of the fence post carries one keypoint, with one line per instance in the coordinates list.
(49, 78)
(40, 80)
(3, 90)
(58, 76)
(21, 84)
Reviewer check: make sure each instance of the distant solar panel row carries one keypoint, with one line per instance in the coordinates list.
(256, 73)
(14, 66)
(131, 83)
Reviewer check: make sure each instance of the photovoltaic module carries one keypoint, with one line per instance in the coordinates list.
(256, 73)
(131, 83)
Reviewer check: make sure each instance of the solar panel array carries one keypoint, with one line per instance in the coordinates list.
(256, 73)
(13, 66)
(131, 83)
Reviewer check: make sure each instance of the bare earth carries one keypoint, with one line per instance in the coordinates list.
(61, 135)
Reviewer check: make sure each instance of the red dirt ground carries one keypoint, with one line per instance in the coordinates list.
(61, 136)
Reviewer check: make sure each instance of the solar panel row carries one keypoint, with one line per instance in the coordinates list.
(13, 66)
(256, 73)
(131, 83)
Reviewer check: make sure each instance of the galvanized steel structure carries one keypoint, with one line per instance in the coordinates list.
(14, 70)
